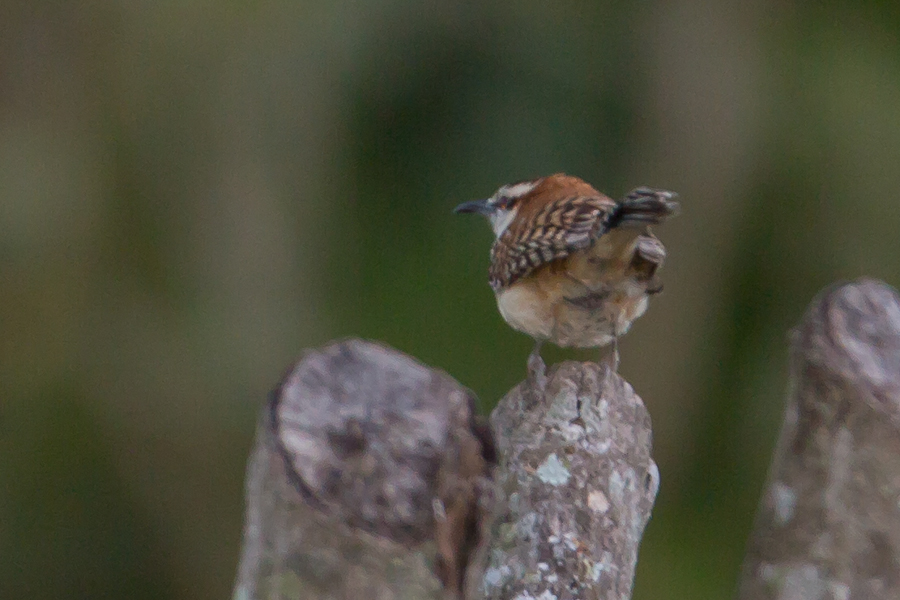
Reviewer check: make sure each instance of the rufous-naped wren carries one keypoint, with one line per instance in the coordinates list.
(570, 265)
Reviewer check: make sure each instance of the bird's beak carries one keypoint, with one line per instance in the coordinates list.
(475, 206)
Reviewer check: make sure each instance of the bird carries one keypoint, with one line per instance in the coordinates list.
(570, 265)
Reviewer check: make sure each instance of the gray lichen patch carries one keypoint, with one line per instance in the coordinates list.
(553, 472)
(545, 595)
(495, 577)
(597, 502)
(563, 406)
(621, 484)
(783, 501)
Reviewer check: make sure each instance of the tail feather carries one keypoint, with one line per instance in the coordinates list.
(645, 206)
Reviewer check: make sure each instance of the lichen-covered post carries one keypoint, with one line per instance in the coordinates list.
(365, 481)
(828, 527)
(577, 487)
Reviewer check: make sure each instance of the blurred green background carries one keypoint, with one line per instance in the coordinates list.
(191, 193)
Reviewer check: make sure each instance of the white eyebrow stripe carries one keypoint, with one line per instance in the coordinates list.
(517, 190)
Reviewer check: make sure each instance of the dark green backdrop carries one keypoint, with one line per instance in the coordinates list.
(193, 192)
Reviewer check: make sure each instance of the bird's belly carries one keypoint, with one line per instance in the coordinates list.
(583, 328)
(579, 327)
(548, 312)
(527, 308)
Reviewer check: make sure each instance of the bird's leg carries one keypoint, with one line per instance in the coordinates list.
(611, 361)
(612, 358)
(537, 369)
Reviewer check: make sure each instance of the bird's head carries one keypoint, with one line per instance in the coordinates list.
(501, 208)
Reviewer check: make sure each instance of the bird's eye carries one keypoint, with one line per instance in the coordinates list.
(509, 195)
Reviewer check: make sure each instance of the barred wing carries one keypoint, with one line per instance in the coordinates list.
(553, 232)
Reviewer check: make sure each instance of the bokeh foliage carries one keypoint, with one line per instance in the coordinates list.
(191, 193)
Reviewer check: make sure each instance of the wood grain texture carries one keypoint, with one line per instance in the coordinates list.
(828, 526)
